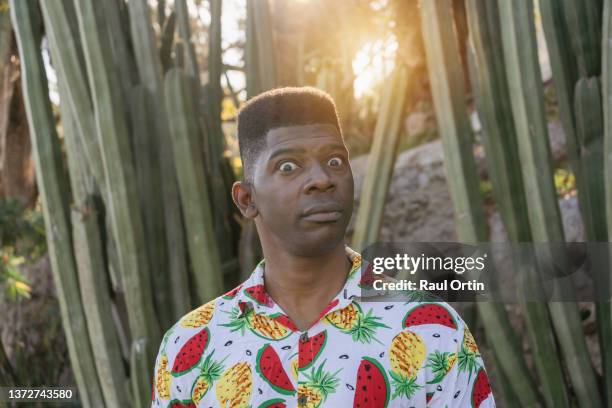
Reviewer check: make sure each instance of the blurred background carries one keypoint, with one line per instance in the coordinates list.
(466, 120)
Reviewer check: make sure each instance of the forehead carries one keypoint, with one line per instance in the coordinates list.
(302, 136)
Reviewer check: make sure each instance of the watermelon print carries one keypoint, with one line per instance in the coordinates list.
(481, 390)
(310, 350)
(274, 403)
(271, 370)
(259, 295)
(189, 355)
(232, 293)
(368, 277)
(430, 313)
(242, 350)
(329, 307)
(182, 404)
(372, 389)
(429, 396)
(285, 321)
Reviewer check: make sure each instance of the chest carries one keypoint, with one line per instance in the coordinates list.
(336, 363)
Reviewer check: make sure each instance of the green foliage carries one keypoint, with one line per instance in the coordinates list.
(22, 228)
(22, 239)
(11, 277)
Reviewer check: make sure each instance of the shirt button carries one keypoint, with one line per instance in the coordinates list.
(304, 337)
(303, 399)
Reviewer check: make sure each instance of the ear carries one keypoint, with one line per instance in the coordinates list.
(242, 194)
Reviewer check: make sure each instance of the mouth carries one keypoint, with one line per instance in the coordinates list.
(323, 213)
(328, 216)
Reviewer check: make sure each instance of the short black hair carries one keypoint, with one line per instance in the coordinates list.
(280, 107)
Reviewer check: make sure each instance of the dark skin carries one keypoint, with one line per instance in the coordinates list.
(301, 169)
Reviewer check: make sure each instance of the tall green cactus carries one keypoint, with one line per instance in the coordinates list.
(92, 278)
(120, 47)
(69, 66)
(260, 76)
(146, 137)
(573, 37)
(381, 160)
(219, 171)
(141, 371)
(589, 129)
(122, 206)
(524, 79)
(53, 189)
(499, 138)
(6, 37)
(584, 23)
(215, 63)
(184, 33)
(449, 101)
(260, 56)
(192, 182)
(90, 261)
(606, 86)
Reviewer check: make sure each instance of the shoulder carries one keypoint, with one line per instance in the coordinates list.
(182, 347)
(200, 320)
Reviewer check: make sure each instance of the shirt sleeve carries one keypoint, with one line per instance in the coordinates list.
(468, 385)
(162, 388)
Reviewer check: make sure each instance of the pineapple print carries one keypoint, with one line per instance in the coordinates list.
(468, 355)
(313, 392)
(355, 266)
(235, 386)
(351, 320)
(440, 364)
(294, 368)
(210, 372)
(200, 316)
(406, 357)
(260, 324)
(163, 378)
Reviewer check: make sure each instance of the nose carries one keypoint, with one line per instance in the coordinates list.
(319, 179)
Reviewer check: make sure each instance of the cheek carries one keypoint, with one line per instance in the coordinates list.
(277, 201)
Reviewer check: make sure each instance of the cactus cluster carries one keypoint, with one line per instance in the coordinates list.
(508, 92)
(136, 217)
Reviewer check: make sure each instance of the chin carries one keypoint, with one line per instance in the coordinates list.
(315, 243)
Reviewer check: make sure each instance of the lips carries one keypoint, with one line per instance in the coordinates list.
(323, 212)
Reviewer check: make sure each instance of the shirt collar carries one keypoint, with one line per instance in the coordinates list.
(252, 292)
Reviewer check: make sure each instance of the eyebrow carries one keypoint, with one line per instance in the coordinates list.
(289, 150)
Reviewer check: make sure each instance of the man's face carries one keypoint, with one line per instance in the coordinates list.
(303, 189)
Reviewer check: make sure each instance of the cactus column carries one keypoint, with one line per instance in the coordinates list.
(525, 84)
(381, 159)
(53, 190)
(122, 205)
(499, 140)
(205, 259)
(449, 100)
(606, 74)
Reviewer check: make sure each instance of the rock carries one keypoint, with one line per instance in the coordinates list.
(419, 207)
(416, 123)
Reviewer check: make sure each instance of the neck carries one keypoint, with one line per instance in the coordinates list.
(303, 286)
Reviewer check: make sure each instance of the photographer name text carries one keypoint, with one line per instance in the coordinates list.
(404, 284)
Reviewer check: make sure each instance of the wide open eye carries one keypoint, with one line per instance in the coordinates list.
(335, 162)
(287, 166)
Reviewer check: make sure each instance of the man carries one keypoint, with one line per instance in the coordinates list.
(296, 333)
